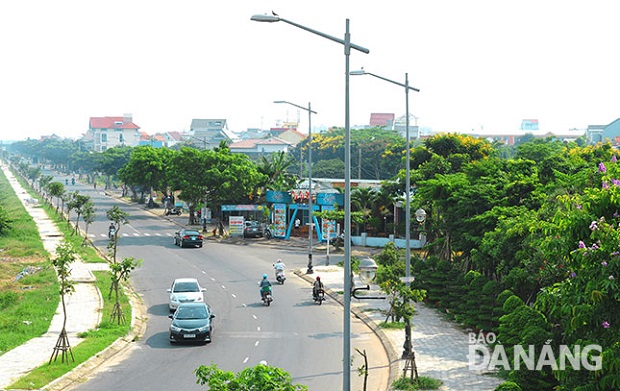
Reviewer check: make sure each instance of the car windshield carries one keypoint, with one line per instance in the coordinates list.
(252, 224)
(191, 233)
(192, 313)
(188, 286)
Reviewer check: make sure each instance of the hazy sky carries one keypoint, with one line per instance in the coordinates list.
(478, 64)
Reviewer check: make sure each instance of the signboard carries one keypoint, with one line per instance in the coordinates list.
(235, 225)
(279, 220)
(278, 196)
(330, 199)
(328, 227)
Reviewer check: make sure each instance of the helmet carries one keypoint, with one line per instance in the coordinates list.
(279, 260)
(318, 278)
(264, 276)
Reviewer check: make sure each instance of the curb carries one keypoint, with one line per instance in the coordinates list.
(393, 356)
(117, 349)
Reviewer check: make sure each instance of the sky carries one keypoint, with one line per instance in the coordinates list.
(479, 64)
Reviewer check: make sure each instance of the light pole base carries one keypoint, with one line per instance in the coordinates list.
(407, 344)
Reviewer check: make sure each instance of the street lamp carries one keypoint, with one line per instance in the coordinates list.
(310, 112)
(346, 42)
(368, 270)
(407, 347)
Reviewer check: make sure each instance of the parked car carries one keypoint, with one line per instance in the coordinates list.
(188, 237)
(191, 322)
(252, 229)
(185, 290)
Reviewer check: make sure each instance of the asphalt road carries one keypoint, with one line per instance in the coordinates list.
(293, 333)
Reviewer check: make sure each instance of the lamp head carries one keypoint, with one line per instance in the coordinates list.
(279, 101)
(265, 18)
(358, 72)
(368, 270)
(420, 215)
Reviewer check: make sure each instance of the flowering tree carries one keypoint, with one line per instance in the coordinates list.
(584, 242)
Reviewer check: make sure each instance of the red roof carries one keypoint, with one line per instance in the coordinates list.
(111, 123)
(382, 119)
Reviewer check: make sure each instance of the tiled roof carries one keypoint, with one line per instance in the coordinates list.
(253, 142)
(111, 123)
(381, 119)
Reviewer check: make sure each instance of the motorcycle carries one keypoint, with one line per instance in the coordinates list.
(111, 233)
(266, 296)
(280, 276)
(173, 211)
(268, 234)
(319, 297)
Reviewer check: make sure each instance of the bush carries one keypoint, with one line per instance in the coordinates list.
(508, 386)
(421, 383)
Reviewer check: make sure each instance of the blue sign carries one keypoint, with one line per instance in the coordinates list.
(331, 199)
(278, 196)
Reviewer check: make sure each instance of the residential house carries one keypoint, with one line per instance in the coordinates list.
(291, 136)
(209, 133)
(385, 120)
(604, 133)
(109, 132)
(255, 148)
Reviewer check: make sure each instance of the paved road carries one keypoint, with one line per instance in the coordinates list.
(293, 334)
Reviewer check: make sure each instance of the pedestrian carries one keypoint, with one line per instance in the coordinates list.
(297, 225)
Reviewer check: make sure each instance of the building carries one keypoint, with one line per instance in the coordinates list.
(209, 133)
(255, 148)
(385, 120)
(109, 132)
(604, 133)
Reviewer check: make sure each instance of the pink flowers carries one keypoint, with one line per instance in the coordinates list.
(593, 226)
(604, 263)
(611, 278)
(605, 324)
(601, 168)
(582, 244)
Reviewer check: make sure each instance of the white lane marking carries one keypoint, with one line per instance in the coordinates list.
(254, 316)
(147, 234)
(203, 272)
(136, 234)
(245, 360)
(256, 343)
(157, 234)
(258, 328)
(212, 279)
(233, 295)
(243, 305)
(223, 286)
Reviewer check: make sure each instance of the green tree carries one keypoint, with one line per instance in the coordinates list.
(258, 378)
(65, 256)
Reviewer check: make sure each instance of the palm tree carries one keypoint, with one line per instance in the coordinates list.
(364, 199)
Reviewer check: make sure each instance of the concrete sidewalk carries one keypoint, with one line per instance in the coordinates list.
(83, 306)
(441, 346)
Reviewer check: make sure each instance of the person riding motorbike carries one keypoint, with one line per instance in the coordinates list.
(111, 230)
(265, 286)
(318, 285)
(279, 267)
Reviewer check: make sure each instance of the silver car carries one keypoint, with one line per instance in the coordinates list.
(185, 290)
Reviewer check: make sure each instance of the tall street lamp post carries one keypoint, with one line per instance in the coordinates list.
(310, 225)
(407, 279)
(346, 42)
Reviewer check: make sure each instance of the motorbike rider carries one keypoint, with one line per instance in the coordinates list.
(265, 286)
(318, 284)
(111, 230)
(279, 267)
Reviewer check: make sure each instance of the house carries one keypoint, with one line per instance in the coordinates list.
(292, 136)
(209, 133)
(385, 120)
(109, 132)
(172, 138)
(255, 148)
(155, 141)
(604, 133)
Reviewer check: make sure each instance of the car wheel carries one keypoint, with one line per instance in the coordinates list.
(200, 245)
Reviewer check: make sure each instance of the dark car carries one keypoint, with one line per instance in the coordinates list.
(191, 322)
(252, 229)
(188, 237)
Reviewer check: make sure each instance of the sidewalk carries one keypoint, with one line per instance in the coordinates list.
(83, 306)
(440, 346)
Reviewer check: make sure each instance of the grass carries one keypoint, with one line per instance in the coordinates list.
(421, 383)
(27, 305)
(392, 325)
(94, 341)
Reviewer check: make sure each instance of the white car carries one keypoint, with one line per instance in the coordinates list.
(185, 290)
